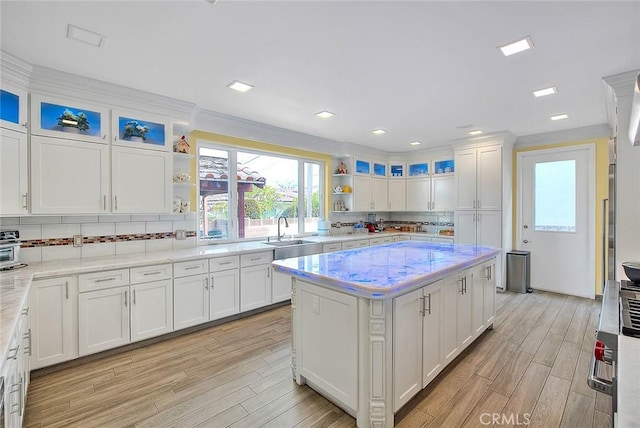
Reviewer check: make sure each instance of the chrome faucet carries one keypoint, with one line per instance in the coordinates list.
(286, 224)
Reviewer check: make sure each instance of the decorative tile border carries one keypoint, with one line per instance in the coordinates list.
(58, 242)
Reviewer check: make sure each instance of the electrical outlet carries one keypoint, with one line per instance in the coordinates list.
(315, 304)
(181, 234)
(77, 240)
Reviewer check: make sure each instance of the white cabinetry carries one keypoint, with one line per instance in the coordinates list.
(103, 319)
(13, 114)
(13, 172)
(15, 369)
(151, 309)
(489, 287)
(68, 177)
(370, 186)
(54, 309)
(397, 191)
(481, 227)
(281, 289)
(255, 280)
(224, 296)
(334, 246)
(419, 194)
(190, 293)
(141, 180)
(443, 195)
(465, 304)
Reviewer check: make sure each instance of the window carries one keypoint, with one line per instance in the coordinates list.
(555, 196)
(264, 186)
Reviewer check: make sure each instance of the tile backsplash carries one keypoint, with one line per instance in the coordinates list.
(46, 238)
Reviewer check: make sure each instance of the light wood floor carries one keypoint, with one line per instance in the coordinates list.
(531, 368)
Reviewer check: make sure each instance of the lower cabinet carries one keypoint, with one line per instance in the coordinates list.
(112, 314)
(54, 309)
(432, 325)
(255, 280)
(281, 286)
(15, 372)
(190, 301)
(224, 296)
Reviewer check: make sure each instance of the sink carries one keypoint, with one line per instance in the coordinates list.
(294, 248)
(288, 242)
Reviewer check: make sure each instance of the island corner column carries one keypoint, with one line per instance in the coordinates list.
(375, 362)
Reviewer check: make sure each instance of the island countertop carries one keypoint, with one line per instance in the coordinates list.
(385, 271)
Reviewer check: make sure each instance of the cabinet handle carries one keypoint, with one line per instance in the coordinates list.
(134, 296)
(478, 216)
(25, 311)
(104, 202)
(191, 268)
(474, 217)
(113, 278)
(158, 272)
(268, 272)
(256, 259)
(104, 137)
(24, 125)
(227, 263)
(115, 205)
(490, 273)
(429, 307)
(478, 204)
(212, 283)
(474, 203)
(28, 336)
(206, 283)
(421, 305)
(26, 201)
(66, 289)
(125, 298)
(465, 284)
(15, 353)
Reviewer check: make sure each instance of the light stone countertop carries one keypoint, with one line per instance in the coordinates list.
(15, 285)
(384, 271)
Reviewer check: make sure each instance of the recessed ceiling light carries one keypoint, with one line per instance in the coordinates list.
(475, 132)
(560, 116)
(239, 86)
(415, 143)
(85, 36)
(378, 131)
(545, 91)
(515, 47)
(325, 114)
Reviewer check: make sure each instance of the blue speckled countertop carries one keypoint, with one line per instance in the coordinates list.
(385, 271)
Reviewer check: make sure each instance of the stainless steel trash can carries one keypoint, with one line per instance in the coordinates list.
(519, 271)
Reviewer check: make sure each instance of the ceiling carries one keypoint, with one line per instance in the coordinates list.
(420, 70)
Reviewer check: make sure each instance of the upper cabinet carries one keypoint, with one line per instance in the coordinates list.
(418, 169)
(71, 120)
(397, 170)
(13, 108)
(479, 178)
(379, 169)
(13, 173)
(361, 166)
(141, 130)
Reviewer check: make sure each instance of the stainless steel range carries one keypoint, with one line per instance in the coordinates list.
(629, 308)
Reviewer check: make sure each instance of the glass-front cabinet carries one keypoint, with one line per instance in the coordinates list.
(397, 169)
(68, 119)
(13, 108)
(141, 130)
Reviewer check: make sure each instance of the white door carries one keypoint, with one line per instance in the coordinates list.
(68, 177)
(103, 320)
(141, 181)
(224, 294)
(418, 194)
(465, 222)
(432, 332)
(489, 178)
(13, 172)
(397, 195)
(465, 161)
(379, 194)
(151, 309)
(190, 301)
(255, 287)
(444, 193)
(361, 193)
(281, 286)
(489, 228)
(556, 218)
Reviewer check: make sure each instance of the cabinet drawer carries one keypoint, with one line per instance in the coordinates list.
(224, 263)
(332, 247)
(379, 241)
(439, 239)
(349, 245)
(103, 280)
(256, 258)
(151, 273)
(362, 243)
(194, 267)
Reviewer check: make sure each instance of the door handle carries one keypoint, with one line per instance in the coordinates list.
(526, 241)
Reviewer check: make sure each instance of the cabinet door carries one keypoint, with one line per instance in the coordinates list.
(141, 181)
(397, 191)
(54, 309)
(224, 294)
(13, 172)
(190, 301)
(465, 222)
(489, 228)
(151, 309)
(489, 293)
(443, 196)
(418, 194)
(281, 286)
(464, 288)
(489, 178)
(450, 346)
(407, 347)
(255, 287)
(327, 248)
(379, 195)
(13, 108)
(475, 286)
(361, 193)
(465, 179)
(11, 399)
(68, 177)
(103, 319)
(432, 355)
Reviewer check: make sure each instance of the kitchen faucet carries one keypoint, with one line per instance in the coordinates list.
(286, 224)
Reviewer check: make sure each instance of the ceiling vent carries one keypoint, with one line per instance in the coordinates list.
(85, 36)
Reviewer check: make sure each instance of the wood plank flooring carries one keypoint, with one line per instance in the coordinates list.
(529, 370)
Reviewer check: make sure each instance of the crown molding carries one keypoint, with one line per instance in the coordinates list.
(500, 137)
(603, 130)
(14, 70)
(49, 81)
(622, 83)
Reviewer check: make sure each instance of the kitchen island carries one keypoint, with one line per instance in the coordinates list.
(373, 326)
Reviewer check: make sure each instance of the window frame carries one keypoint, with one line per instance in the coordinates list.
(233, 145)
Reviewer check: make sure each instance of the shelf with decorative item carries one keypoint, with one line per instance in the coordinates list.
(141, 130)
